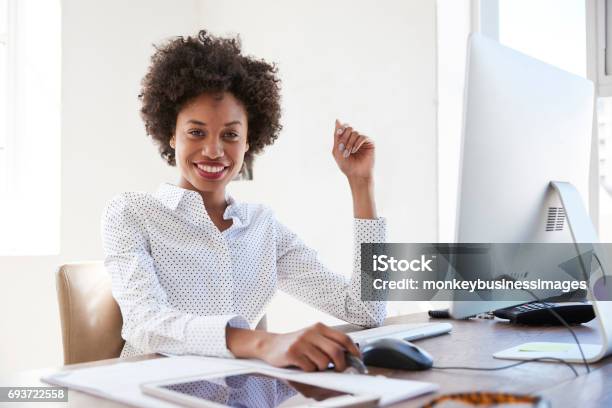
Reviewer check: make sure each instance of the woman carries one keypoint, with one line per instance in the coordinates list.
(192, 268)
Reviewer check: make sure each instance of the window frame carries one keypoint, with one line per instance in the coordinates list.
(596, 46)
(484, 16)
(596, 72)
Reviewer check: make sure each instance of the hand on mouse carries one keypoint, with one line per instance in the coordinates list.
(310, 349)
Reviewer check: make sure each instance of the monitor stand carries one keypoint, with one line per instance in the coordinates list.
(584, 236)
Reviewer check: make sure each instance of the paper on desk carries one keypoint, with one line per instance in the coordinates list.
(249, 363)
(121, 382)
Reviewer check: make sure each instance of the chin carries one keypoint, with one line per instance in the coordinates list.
(209, 186)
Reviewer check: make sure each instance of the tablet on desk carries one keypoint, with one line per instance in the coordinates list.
(250, 388)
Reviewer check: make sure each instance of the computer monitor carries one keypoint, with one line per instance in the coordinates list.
(526, 123)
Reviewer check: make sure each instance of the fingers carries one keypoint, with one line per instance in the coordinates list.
(358, 143)
(310, 357)
(339, 128)
(342, 339)
(300, 354)
(334, 351)
(315, 347)
(350, 143)
(343, 139)
(335, 343)
(348, 140)
(317, 356)
(304, 363)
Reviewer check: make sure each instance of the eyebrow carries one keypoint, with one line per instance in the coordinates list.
(198, 122)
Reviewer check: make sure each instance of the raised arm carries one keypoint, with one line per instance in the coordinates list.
(354, 155)
(300, 271)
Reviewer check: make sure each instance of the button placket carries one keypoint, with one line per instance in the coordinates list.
(220, 246)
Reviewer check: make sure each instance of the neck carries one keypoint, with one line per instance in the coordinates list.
(214, 201)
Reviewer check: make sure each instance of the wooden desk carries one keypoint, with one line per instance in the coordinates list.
(471, 343)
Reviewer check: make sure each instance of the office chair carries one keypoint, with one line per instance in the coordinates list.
(90, 316)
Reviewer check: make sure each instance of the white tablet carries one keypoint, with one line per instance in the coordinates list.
(251, 388)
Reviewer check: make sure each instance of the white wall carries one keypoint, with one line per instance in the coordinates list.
(370, 64)
(373, 65)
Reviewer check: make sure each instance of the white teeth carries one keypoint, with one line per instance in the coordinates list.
(210, 169)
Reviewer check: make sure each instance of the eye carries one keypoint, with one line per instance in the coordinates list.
(196, 132)
(232, 135)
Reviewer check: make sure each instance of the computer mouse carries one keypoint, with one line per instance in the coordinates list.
(396, 353)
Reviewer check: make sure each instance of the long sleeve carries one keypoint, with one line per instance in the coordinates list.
(150, 323)
(301, 274)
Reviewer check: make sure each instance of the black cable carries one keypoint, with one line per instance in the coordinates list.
(558, 316)
(603, 272)
(567, 326)
(509, 366)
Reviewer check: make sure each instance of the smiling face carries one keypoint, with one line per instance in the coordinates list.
(210, 140)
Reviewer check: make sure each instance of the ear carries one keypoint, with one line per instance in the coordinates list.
(247, 147)
(173, 142)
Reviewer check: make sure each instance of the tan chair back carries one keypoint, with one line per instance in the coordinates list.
(90, 316)
(91, 319)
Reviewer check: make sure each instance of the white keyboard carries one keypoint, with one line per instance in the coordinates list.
(409, 331)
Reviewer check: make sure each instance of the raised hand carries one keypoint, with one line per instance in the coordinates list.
(353, 152)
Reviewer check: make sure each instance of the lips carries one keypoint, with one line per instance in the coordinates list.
(211, 171)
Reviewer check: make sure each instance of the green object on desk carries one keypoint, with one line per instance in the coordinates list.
(544, 347)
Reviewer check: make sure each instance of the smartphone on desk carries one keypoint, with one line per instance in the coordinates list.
(251, 388)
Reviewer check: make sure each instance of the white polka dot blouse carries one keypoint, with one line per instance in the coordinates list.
(180, 282)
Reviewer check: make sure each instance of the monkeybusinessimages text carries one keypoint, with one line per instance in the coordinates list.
(385, 263)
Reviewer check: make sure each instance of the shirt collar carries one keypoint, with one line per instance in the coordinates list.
(171, 196)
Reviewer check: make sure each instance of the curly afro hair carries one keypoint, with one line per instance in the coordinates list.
(185, 67)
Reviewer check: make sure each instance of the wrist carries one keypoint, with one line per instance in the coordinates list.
(361, 183)
(261, 343)
(362, 190)
(245, 343)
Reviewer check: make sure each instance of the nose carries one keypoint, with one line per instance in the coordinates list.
(213, 148)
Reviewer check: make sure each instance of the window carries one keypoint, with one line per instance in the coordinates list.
(570, 34)
(561, 39)
(557, 38)
(30, 62)
(599, 35)
(4, 94)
